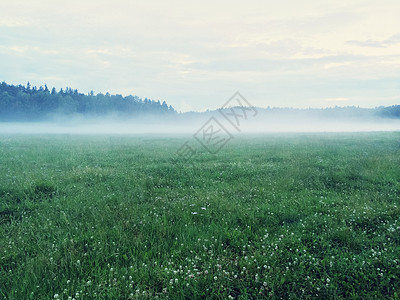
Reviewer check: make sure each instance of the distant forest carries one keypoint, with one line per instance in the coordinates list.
(347, 112)
(32, 103)
(389, 111)
(27, 103)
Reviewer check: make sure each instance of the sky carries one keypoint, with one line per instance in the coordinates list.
(196, 54)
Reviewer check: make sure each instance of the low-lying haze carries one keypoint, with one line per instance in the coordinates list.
(190, 124)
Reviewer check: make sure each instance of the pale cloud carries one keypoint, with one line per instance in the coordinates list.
(368, 43)
(27, 50)
(12, 22)
(393, 40)
(338, 99)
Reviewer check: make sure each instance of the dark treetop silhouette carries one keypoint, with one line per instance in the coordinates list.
(28, 103)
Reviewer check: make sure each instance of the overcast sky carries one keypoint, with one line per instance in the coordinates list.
(196, 54)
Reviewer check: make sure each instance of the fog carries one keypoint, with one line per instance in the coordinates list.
(193, 122)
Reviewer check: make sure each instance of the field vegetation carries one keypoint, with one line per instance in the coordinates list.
(269, 216)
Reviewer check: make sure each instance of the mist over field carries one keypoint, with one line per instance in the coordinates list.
(191, 123)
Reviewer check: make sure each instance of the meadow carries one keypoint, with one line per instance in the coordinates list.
(269, 216)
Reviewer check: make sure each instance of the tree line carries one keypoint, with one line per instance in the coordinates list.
(18, 102)
(27, 103)
(339, 112)
(389, 111)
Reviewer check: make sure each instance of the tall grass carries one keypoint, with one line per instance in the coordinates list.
(293, 216)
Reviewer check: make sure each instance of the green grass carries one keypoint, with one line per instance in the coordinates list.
(292, 216)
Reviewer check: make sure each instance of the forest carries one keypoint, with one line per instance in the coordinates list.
(27, 103)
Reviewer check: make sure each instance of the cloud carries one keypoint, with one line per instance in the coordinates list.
(393, 40)
(338, 99)
(267, 65)
(368, 43)
(12, 22)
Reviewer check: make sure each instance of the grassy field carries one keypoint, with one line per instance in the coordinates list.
(293, 216)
